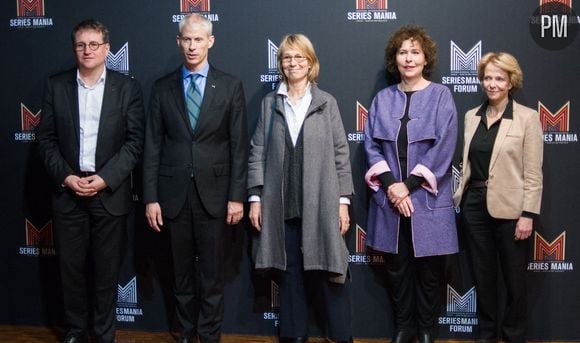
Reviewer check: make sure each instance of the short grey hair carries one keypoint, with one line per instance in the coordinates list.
(196, 19)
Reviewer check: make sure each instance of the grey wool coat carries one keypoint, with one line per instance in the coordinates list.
(326, 177)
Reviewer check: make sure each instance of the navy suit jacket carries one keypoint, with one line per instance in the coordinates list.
(216, 154)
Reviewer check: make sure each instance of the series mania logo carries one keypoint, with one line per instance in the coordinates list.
(461, 313)
(463, 69)
(202, 7)
(127, 307)
(361, 255)
(30, 14)
(362, 114)
(550, 257)
(371, 11)
(559, 5)
(273, 75)
(556, 125)
(29, 120)
(456, 175)
(274, 304)
(119, 61)
(39, 242)
(456, 180)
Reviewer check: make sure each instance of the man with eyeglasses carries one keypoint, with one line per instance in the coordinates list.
(90, 138)
(194, 172)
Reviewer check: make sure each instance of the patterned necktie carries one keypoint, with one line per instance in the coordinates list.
(193, 101)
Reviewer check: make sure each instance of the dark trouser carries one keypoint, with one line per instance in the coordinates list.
(297, 287)
(86, 234)
(197, 246)
(414, 284)
(487, 239)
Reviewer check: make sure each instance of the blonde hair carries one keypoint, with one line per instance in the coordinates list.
(300, 42)
(506, 62)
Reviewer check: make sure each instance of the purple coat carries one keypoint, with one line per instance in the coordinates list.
(432, 134)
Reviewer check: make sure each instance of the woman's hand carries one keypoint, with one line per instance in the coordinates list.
(256, 215)
(343, 218)
(523, 228)
(397, 192)
(405, 207)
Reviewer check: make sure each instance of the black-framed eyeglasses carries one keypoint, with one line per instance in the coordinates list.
(92, 45)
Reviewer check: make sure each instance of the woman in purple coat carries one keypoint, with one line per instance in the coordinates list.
(409, 141)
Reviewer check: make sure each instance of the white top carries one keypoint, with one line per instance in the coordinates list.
(295, 113)
(90, 103)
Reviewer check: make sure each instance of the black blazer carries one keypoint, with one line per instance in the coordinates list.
(215, 154)
(119, 142)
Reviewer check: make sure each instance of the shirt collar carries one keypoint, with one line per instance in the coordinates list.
(101, 79)
(203, 71)
(508, 113)
(283, 89)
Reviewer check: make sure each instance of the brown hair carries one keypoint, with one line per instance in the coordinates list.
(416, 34)
(90, 24)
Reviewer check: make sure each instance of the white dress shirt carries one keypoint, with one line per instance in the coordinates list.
(90, 104)
(295, 113)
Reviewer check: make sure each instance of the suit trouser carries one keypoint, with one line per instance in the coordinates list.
(487, 239)
(86, 234)
(298, 288)
(414, 284)
(197, 245)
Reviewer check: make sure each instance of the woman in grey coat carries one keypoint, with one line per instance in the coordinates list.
(300, 185)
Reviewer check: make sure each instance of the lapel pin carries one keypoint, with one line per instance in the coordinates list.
(212, 86)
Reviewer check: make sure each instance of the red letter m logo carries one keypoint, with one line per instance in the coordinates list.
(29, 120)
(361, 117)
(555, 251)
(41, 238)
(188, 6)
(558, 122)
(361, 238)
(371, 4)
(30, 8)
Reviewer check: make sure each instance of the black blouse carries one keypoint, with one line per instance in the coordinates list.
(387, 178)
(483, 141)
(482, 144)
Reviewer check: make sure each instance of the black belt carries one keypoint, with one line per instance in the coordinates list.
(477, 184)
(85, 174)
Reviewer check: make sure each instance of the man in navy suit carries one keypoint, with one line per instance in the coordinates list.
(90, 138)
(194, 173)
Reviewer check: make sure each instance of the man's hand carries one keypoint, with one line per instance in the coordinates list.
(72, 182)
(235, 212)
(153, 215)
(256, 215)
(85, 186)
(91, 185)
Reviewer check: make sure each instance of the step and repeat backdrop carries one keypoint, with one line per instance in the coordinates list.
(350, 36)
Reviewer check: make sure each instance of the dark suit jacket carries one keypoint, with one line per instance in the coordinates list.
(216, 153)
(119, 142)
